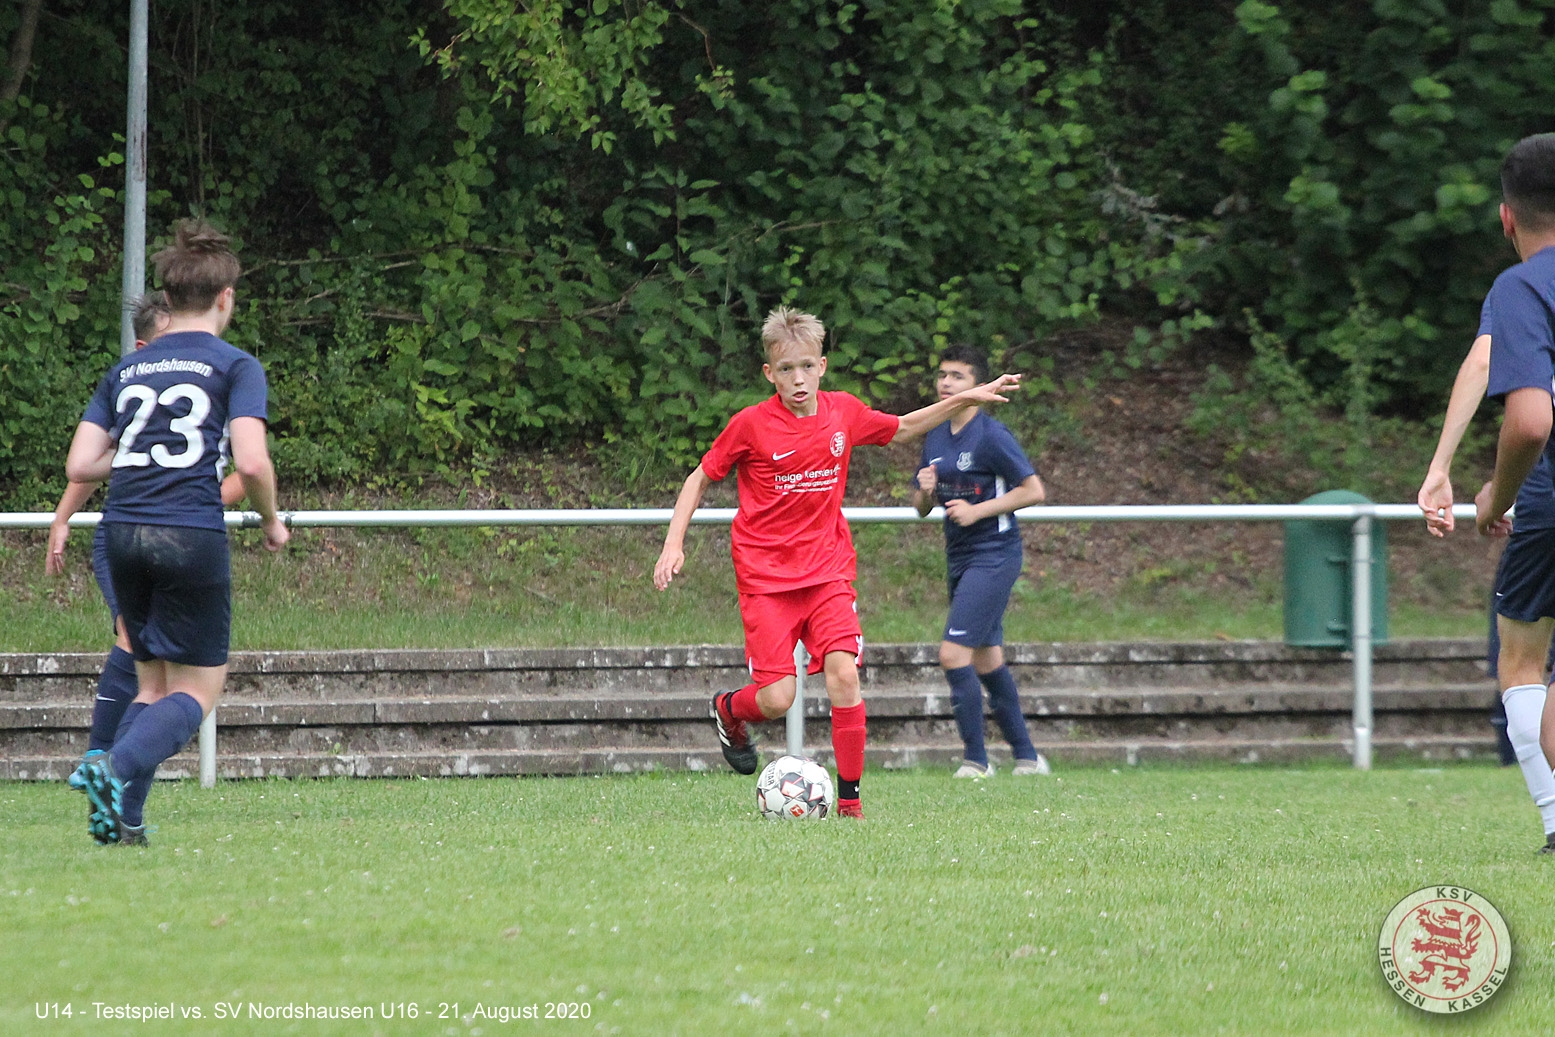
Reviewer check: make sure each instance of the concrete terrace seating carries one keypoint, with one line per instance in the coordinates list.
(600, 710)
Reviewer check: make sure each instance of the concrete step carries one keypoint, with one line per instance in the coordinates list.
(558, 710)
(334, 676)
(237, 711)
(484, 763)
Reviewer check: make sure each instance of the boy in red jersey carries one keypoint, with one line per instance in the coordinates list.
(794, 562)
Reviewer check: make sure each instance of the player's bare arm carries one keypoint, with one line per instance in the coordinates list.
(923, 495)
(1029, 493)
(1468, 388)
(251, 458)
(91, 454)
(924, 418)
(76, 494)
(673, 556)
(1524, 431)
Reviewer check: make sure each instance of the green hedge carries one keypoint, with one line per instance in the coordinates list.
(481, 226)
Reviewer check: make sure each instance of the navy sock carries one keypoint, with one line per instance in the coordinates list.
(160, 731)
(966, 698)
(133, 710)
(1005, 703)
(116, 689)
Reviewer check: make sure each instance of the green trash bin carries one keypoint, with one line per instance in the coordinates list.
(1318, 593)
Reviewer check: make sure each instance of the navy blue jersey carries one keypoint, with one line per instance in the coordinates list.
(1520, 319)
(979, 463)
(168, 406)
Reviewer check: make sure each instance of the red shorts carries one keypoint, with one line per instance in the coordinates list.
(825, 617)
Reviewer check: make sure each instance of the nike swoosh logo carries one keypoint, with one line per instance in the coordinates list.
(779, 457)
(955, 633)
(934, 460)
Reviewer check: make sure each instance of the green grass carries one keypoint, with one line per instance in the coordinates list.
(469, 588)
(1151, 901)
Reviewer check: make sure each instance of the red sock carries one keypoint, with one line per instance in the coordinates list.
(742, 705)
(847, 745)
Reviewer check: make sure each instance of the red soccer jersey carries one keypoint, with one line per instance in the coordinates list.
(790, 532)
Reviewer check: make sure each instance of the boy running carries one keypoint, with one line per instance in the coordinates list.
(1522, 363)
(972, 465)
(794, 561)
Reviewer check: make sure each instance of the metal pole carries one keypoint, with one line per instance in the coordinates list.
(1360, 637)
(208, 751)
(134, 178)
(794, 718)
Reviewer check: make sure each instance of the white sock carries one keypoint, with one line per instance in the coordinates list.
(1524, 714)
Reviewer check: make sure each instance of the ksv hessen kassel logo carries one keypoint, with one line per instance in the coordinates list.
(1445, 949)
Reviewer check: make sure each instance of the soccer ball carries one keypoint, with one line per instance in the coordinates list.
(794, 788)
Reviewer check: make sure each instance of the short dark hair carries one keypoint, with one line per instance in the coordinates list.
(1528, 181)
(972, 356)
(196, 267)
(149, 311)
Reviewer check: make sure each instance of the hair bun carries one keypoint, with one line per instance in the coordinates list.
(201, 238)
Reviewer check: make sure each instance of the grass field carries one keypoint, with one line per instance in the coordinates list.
(1151, 901)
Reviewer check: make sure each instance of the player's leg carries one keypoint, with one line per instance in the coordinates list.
(770, 634)
(1004, 701)
(186, 631)
(116, 686)
(835, 641)
(966, 704)
(955, 659)
(1524, 579)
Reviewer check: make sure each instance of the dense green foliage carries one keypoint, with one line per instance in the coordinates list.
(471, 226)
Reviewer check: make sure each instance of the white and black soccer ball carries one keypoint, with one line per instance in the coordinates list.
(796, 789)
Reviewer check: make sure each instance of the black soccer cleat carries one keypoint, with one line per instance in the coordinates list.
(1549, 844)
(733, 736)
(132, 835)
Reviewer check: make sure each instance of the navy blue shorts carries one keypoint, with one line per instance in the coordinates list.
(1525, 577)
(100, 569)
(174, 585)
(979, 592)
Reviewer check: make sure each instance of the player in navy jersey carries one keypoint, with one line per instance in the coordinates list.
(1522, 373)
(116, 686)
(158, 428)
(972, 465)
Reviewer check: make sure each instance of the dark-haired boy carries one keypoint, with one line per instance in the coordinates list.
(794, 562)
(1522, 370)
(972, 465)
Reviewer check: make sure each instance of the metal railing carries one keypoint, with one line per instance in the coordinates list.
(1360, 516)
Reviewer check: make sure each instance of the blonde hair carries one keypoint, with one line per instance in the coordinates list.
(784, 325)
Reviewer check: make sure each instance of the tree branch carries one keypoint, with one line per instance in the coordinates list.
(21, 56)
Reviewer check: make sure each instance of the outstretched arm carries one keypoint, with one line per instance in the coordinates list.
(924, 418)
(673, 556)
(1435, 496)
(76, 494)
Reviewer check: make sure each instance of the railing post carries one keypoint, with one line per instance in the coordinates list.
(794, 718)
(1360, 636)
(208, 751)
